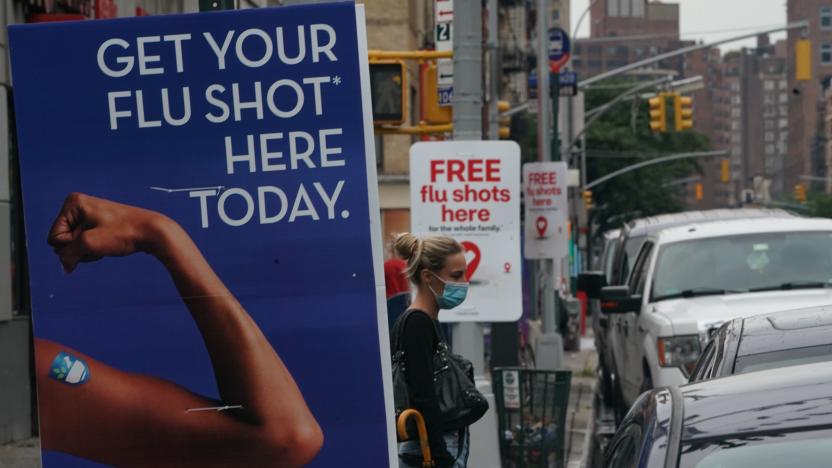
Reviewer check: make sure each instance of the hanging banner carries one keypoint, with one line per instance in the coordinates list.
(470, 190)
(203, 239)
(546, 210)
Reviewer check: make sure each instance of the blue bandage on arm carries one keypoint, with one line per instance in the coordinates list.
(69, 369)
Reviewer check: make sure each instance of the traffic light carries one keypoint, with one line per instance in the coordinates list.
(587, 196)
(803, 60)
(432, 112)
(658, 113)
(800, 193)
(682, 112)
(389, 92)
(698, 191)
(505, 122)
(725, 171)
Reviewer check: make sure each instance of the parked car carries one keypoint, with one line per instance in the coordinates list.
(619, 253)
(687, 281)
(768, 419)
(634, 233)
(768, 341)
(604, 265)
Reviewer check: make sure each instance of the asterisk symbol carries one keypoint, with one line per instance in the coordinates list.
(336, 80)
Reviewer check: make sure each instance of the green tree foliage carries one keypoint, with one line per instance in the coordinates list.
(622, 137)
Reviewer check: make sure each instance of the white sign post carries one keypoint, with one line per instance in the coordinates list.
(470, 190)
(545, 191)
(444, 21)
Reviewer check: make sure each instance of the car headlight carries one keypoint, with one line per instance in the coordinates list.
(679, 351)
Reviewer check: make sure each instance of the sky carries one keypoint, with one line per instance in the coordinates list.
(708, 20)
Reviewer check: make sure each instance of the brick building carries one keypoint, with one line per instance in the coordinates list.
(807, 153)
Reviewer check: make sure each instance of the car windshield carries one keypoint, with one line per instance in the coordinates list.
(782, 358)
(805, 449)
(742, 263)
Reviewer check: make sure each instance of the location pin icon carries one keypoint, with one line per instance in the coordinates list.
(542, 223)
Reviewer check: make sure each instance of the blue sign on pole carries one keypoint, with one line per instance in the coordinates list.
(559, 44)
(201, 213)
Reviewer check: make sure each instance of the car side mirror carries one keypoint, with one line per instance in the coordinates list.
(591, 283)
(618, 300)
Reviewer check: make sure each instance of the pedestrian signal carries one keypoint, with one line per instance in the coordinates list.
(388, 89)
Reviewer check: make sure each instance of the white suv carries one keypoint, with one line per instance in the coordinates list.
(686, 281)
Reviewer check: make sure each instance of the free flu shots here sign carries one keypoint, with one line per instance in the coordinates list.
(470, 190)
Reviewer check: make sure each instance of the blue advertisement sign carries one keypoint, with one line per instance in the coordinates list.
(203, 239)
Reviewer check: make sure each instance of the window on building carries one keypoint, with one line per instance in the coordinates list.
(826, 54)
(638, 8)
(625, 7)
(769, 137)
(784, 98)
(783, 84)
(639, 51)
(826, 17)
(784, 110)
(768, 85)
(612, 8)
(768, 124)
(768, 98)
(783, 123)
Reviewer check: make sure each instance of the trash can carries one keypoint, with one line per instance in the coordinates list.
(531, 413)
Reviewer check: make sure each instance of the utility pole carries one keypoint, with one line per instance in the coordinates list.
(468, 337)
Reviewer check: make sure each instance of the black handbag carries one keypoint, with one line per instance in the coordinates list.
(460, 403)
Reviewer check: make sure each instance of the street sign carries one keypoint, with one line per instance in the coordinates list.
(568, 83)
(444, 39)
(546, 210)
(470, 190)
(444, 11)
(559, 48)
(233, 190)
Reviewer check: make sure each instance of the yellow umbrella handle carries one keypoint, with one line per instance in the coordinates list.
(423, 433)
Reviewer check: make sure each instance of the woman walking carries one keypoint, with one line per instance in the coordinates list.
(436, 266)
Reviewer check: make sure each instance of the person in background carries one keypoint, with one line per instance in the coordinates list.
(436, 266)
(395, 280)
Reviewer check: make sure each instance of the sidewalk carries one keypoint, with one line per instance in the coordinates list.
(580, 416)
(21, 454)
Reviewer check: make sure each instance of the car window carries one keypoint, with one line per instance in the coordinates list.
(782, 358)
(809, 449)
(625, 453)
(609, 258)
(745, 262)
(628, 254)
(639, 276)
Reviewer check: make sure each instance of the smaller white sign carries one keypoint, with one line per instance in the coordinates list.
(445, 72)
(444, 11)
(545, 192)
(511, 389)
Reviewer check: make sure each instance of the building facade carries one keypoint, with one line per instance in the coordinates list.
(807, 153)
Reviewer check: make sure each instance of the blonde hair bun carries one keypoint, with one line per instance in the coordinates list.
(430, 252)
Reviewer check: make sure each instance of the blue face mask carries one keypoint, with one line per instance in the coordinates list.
(452, 296)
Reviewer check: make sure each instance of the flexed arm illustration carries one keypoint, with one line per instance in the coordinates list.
(127, 419)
